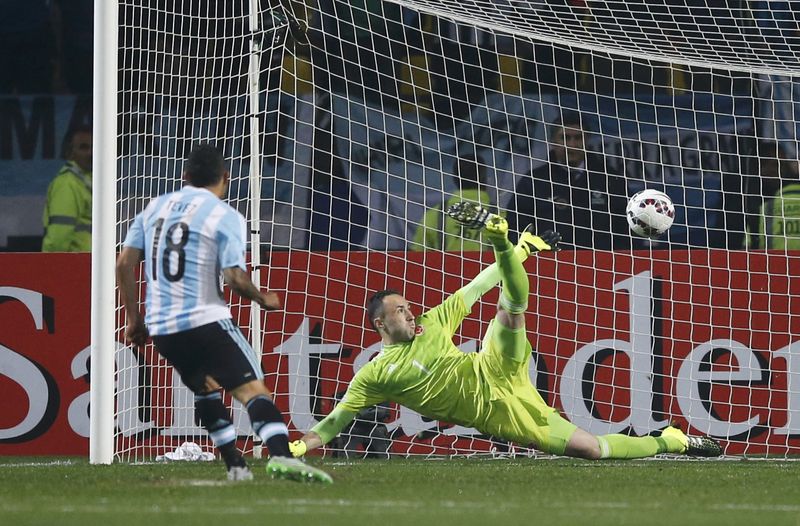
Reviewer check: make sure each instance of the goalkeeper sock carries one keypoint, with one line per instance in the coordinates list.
(487, 279)
(514, 296)
(624, 446)
(215, 418)
(268, 424)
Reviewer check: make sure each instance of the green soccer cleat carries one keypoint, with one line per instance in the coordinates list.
(691, 445)
(531, 243)
(475, 217)
(295, 469)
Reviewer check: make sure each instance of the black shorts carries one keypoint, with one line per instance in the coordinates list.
(218, 350)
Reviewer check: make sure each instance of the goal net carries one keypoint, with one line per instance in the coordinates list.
(348, 126)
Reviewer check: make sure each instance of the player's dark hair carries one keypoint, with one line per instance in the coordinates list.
(375, 305)
(204, 166)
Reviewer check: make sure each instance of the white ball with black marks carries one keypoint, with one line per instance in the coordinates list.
(650, 213)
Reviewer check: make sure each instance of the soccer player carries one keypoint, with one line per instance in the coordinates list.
(187, 238)
(420, 367)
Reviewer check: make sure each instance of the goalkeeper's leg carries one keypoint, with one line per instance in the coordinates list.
(515, 285)
(508, 334)
(567, 439)
(616, 446)
(514, 295)
(508, 261)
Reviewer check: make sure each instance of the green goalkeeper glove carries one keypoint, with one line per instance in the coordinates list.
(530, 242)
(297, 448)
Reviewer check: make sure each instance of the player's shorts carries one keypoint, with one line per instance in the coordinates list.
(519, 413)
(217, 349)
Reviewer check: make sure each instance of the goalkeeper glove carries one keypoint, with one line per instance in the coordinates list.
(297, 448)
(530, 243)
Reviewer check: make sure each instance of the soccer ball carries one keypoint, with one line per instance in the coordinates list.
(650, 213)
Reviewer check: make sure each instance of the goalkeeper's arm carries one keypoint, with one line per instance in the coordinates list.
(322, 433)
(489, 277)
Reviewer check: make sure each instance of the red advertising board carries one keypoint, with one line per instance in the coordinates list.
(45, 313)
(624, 342)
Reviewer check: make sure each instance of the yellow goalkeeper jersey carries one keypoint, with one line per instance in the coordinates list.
(431, 376)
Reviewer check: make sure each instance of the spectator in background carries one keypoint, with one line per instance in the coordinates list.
(26, 47)
(765, 181)
(440, 231)
(573, 194)
(779, 214)
(68, 210)
(356, 46)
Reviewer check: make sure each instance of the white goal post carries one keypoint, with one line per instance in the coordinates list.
(104, 237)
(345, 126)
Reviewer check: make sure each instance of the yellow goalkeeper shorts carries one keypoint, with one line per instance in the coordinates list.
(518, 412)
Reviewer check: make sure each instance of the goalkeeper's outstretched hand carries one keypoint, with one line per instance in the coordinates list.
(547, 241)
(297, 448)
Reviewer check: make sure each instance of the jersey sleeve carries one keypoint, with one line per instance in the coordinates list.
(231, 236)
(135, 236)
(363, 391)
(450, 313)
(332, 425)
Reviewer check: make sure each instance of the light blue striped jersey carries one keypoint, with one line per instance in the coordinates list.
(188, 237)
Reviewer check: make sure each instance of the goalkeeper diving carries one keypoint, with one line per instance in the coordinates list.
(421, 368)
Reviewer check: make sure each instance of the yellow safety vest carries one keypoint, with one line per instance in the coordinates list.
(779, 221)
(440, 232)
(67, 214)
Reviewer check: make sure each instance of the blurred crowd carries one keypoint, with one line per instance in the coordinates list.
(47, 46)
(439, 69)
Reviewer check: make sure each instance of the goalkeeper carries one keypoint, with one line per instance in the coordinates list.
(421, 368)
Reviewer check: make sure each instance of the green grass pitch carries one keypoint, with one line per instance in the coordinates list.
(415, 492)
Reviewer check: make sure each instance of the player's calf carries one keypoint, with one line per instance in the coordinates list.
(215, 418)
(267, 422)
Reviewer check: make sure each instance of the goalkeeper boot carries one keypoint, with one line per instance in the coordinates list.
(295, 469)
(475, 217)
(530, 243)
(691, 445)
(239, 473)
